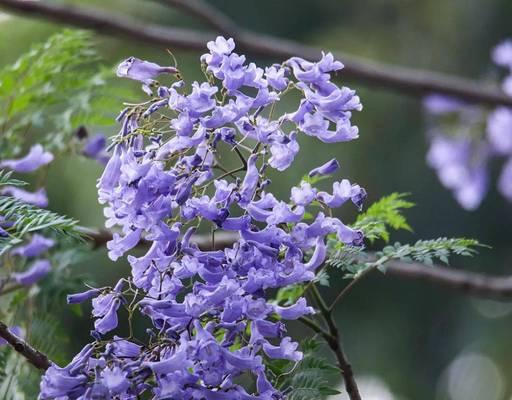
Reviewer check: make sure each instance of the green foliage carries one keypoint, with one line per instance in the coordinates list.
(45, 335)
(375, 223)
(63, 280)
(28, 218)
(384, 214)
(288, 295)
(44, 97)
(4, 356)
(6, 180)
(427, 251)
(47, 91)
(343, 257)
(312, 378)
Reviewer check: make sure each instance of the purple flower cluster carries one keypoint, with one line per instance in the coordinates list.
(211, 313)
(459, 150)
(38, 245)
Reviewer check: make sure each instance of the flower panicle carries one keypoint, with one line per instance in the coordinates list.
(211, 315)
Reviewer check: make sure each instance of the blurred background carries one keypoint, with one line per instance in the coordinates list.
(406, 339)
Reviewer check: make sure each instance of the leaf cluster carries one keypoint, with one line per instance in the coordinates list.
(428, 251)
(311, 378)
(48, 91)
(27, 218)
(383, 215)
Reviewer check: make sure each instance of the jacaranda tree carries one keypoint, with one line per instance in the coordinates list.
(225, 264)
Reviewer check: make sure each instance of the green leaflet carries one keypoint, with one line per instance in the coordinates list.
(312, 378)
(6, 180)
(427, 251)
(28, 218)
(48, 90)
(382, 215)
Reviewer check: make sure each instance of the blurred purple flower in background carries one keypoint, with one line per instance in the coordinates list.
(37, 198)
(464, 139)
(36, 158)
(37, 271)
(95, 148)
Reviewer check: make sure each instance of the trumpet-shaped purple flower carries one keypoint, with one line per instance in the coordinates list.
(283, 153)
(95, 148)
(276, 77)
(326, 169)
(37, 271)
(143, 71)
(36, 157)
(37, 246)
(37, 198)
(303, 195)
(341, 192)
(78, 298)
(105, 309)
(70, 381)
(286, 350)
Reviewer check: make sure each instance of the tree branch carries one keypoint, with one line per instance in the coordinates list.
(404, 80)
(205, 12)
(480, 285)
(333, 339)
(471, 283)
(34, 357)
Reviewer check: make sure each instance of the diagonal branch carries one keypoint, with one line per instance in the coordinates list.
(109, 24)
(33, 356)
(333, 338)
(207, 13)
(404, 80)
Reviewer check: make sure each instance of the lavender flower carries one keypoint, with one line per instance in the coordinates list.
(36, 272)
(438, 104)
(459, 152)
(499, 130)
(37, 198)
(505, 180)
(326, 169)
(502, 54)
(37, 246)
(95, 149)
(35, 158)
(143, 71)
(461, 166)
(78, 298)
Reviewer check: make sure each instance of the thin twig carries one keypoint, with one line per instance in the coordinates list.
(370, 267)
(314, 326)
(33, 356)
(341, 295)
(10, 289)
(334, 342)
(404, 80)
